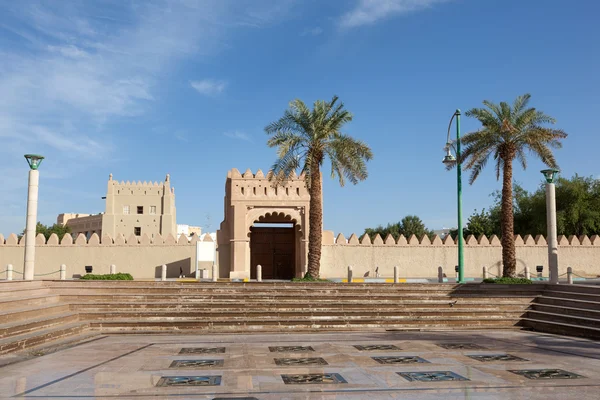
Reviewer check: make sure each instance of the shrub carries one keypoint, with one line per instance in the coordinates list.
(108, 277)
(508, 281)
(309, 278)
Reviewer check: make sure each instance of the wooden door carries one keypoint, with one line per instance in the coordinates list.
(274, 250)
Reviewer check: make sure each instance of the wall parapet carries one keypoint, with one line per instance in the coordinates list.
(80, 240)
(329, 239)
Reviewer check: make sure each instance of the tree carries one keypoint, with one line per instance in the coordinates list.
(304, 139)
(484, 223)
(47, 231)
(409, 225)
(506, 134)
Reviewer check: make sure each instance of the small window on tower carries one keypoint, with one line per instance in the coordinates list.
(140, 209)
(153, 210)
(137, 231)
(125, 209)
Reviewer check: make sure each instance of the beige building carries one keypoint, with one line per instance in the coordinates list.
(263, 224)
(131, 208)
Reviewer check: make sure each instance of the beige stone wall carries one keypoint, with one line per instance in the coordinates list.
(87, 224)
(142, 258)
(417, 259)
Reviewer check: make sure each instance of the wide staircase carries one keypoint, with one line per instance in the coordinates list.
(37, 313)
(566, 310)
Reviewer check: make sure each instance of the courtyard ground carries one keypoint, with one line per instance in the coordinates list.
(377, 365)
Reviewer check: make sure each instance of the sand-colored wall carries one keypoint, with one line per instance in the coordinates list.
(142, 257)
(421, 258)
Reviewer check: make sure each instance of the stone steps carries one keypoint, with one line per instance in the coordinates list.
(574, 303)
(274, 325)
(271, 298)
(39, 337)
(237, 315)
(567, 310)
(12, 303)
(19, 314)
(28, 325)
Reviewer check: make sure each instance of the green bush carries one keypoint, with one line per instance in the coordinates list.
(309, 278)
(508, 281)
(108, 277)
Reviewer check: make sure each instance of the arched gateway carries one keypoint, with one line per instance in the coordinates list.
(264, 224)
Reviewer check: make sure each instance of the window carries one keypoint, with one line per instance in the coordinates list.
(137, 231)
(140, 209)
(125, 210)
(152, 210)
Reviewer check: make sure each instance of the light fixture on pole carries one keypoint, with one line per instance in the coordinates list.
(550, 175)
(451, 160)
(34, 161)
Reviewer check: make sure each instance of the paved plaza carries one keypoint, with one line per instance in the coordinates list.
(378, 365)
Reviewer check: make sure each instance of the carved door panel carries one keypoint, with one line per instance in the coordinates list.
(273, 249)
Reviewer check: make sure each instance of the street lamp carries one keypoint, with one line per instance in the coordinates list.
(34, 161)
(550, 175)
(450, 160)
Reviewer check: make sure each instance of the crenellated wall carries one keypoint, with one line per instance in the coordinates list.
(140, 256)
(420, 258)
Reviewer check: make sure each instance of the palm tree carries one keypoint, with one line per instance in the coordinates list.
(304, 139)
(506, 134)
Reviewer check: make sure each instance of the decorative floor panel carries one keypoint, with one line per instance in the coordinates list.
(304, 379)
(399, 360)
(432, 376)
(546, 374)
(376, 347)
(300, 361)
(461, 346)
(189, 381)
(202, 350)
(196, 363)
(290, 349)
(496, 357)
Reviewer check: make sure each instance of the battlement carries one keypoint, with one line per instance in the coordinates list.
(106, 240)
(251, 186)
(470, 241)
(127, 187)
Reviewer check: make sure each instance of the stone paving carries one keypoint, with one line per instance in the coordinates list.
(377, 365)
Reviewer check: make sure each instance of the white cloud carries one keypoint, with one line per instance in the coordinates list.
(71, 71)
(238, 135)
(370, 11)
(316, 31)
(209, 87)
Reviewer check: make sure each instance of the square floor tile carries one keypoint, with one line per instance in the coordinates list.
(303, 379)
(461, 346)
(399, 360)
(432, 376)
(546, 374)
(376, 347)
(196, 363)
(495, 357)
(300, 361)
(290, 349)
(189, 381)
(202, 350)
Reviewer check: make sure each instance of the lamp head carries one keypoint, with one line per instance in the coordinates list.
(34, 160)
(550, 174)
(449, 159)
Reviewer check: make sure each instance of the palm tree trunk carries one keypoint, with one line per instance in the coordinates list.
(315, 232)
(509, 257)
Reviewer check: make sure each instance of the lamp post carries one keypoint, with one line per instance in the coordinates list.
(34, 162)
(550, 175)
(450, 160)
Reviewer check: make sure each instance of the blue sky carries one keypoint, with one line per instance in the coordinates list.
(144, 88)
